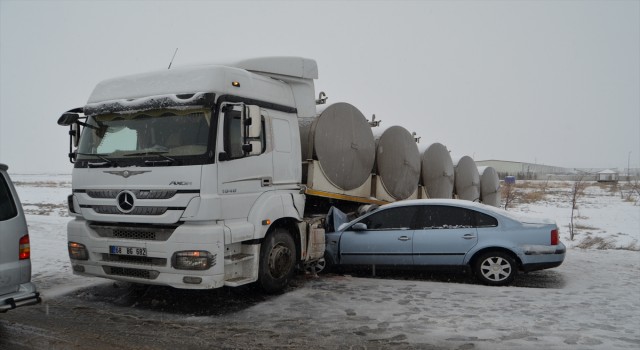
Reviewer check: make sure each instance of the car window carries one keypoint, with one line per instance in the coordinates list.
(484, 220)
(8, 208)
(392, 218)
(443, 217)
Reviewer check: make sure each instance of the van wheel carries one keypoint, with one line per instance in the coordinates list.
(277, 261)
(495, 268)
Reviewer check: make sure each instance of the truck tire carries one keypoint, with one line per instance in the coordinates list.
(277, 261)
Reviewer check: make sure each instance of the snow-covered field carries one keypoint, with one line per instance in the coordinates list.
(592, 301)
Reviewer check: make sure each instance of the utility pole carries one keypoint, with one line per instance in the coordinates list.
(628, 167)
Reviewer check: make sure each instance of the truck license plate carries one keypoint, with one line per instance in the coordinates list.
(119, 250)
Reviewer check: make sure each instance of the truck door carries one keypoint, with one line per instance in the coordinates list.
(245, 166)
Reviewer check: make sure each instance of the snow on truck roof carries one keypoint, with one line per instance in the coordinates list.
(203, 78)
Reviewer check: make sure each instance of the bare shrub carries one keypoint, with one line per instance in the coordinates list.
(576, 192)
(596, 242)
(585, 227)
(509, 193)
(633, 246)
(533, 196)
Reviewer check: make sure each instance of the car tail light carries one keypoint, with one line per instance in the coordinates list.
(555, 237)
(24, 250)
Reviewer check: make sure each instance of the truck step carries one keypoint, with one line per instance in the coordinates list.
(237, 281)
(236, 258)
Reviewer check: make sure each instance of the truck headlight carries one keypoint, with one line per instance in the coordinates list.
(193, 260)
(78, 251)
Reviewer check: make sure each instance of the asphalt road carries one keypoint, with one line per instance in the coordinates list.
(577, 306)
(125, 316)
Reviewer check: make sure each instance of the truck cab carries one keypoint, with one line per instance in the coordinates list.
(191, 177)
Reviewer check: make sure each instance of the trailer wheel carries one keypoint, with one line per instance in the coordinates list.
(277, 261)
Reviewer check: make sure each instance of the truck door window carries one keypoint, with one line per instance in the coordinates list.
(234, 134)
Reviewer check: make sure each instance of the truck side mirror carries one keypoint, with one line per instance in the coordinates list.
(75, 134)
(254, 122)
(67, 119)
(252, 144)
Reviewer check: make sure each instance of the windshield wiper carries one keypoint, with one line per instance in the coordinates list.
(167, 160)
(107, 161)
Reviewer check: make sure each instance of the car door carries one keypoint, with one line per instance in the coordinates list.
(386, 240)
(12, 228)
(443, 236)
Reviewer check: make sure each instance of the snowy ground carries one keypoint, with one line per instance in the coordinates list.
(592, 301)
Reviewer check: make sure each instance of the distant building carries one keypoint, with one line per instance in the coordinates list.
(523, 170)
(607, 176)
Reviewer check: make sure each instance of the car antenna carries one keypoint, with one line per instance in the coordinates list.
(174, 56)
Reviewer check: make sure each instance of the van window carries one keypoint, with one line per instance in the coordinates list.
(8, 208)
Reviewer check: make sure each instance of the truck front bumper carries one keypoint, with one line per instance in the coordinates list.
(156, 266)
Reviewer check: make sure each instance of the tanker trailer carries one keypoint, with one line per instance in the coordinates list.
(467, 179)
(397, 165)
(437, 171)
(489, 186)
(338, 153)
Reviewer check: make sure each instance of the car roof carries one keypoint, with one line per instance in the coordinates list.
(454, 202)
(4, 167)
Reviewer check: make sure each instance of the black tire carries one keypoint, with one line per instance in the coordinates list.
(277, 261)
(495, 268)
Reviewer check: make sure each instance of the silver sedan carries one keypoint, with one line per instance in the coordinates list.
(448, 235)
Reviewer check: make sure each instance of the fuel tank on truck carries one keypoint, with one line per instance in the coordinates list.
(489, 186)
(397, 162)
(467, 179)
(341, 140)
(437, 171)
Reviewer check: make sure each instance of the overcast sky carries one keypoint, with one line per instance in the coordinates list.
(550, 82)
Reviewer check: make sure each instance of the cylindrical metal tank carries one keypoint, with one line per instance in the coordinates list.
(437, 171)
(341, 140)
(489, 186)
(397, 162)
(467, 179)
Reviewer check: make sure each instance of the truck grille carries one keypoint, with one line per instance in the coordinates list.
(127, 272)
(140, 194)
(113, 210)
(143, 233)
(138, 260)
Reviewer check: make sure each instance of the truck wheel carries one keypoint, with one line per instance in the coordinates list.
(495, 268)
(277, 261)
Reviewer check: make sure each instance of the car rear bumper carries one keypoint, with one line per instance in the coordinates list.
(26, 295)
(537, 258)
(540, 266)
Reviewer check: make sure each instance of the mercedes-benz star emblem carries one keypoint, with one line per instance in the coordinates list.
(127, 173)
(125, 201)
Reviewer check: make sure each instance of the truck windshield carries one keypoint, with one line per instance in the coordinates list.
(151, 133)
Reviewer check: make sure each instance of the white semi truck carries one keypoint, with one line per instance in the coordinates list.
(216, 175)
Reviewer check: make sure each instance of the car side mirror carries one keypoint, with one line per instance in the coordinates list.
(359, 227)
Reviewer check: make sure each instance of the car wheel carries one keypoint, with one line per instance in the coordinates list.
(323, 265)
(317, 266)
(495, 268)
(277, 261)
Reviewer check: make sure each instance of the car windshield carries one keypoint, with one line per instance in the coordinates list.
(160, 133)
